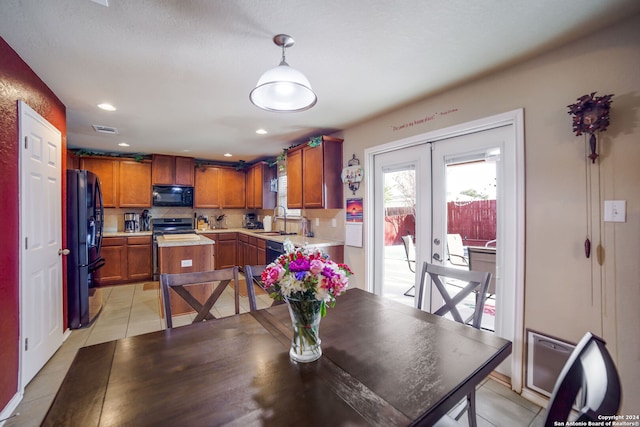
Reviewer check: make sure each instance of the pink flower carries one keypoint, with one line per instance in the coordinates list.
(316, 266)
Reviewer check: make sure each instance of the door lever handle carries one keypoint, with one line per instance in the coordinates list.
(64, 251)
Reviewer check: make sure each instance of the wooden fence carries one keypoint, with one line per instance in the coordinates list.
(475, 221)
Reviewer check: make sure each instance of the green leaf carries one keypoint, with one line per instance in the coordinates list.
(323, 309)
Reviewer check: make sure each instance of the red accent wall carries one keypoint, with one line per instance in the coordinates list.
(17, 82)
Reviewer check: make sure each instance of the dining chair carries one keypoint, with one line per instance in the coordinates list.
(591, 374)
(477, 285)
(410, 253)
(252, 274)
(205, 284)
(455, 249)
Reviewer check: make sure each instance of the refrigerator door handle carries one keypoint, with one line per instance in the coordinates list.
(97, 264)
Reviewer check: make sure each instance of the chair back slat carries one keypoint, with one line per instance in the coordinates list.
(253, 274)
(180, 283)
(477, 285)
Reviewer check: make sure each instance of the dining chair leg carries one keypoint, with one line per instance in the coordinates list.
(471, 409)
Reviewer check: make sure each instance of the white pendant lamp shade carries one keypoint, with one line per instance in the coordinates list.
(283, 89)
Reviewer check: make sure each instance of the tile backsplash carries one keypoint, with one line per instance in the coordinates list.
(322, 220)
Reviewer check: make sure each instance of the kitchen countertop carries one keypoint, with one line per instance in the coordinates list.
(183, 240)
(125, 234)
(296, 239)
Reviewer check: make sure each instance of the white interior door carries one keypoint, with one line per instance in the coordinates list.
(41, 237)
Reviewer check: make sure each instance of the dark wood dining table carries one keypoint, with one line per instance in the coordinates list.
(383, 364)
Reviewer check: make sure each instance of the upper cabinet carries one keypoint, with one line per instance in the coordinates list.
(259, 194)
(313, 175)
(107, 170)
(135, 184)
(219, 187)
(125, 183)
(171, 170)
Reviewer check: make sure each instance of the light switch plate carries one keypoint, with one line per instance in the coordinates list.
(615, 211)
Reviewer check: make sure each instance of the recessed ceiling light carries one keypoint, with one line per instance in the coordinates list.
(261, 132)
(228, 154)
(124, 144)
(107, 107)
(186, 151)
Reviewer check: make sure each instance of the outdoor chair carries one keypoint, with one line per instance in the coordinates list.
(477, 282)
(410, 252)
(591, 374)
(455, 249)
(196, 287)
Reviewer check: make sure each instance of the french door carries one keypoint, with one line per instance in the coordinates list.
(445, 164)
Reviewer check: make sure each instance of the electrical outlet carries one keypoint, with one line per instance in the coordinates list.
(317, 222)
(333, 222)
(186, 263)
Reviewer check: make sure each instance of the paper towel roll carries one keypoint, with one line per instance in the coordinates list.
(266, 223)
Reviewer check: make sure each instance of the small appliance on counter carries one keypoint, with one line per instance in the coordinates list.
(145, 220)
(251, 222)
(131, 222)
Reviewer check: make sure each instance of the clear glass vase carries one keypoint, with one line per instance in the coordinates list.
(305, 319)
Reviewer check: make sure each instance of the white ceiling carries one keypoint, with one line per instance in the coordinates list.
(180, 72)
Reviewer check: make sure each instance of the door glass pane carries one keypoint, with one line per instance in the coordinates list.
(399, 233)
(471, 185)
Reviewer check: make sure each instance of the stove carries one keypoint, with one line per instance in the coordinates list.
(162, 226)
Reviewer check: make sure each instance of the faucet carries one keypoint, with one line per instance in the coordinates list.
(284, 210)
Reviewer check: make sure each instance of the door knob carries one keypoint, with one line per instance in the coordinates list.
(63, 251)
(436, 256)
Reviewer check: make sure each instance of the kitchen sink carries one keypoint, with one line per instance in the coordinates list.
(274, 233)
(268, 233)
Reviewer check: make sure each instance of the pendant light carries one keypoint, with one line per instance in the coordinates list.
(283, 89)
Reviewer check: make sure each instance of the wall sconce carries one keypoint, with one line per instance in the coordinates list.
(591, 115)
(352, 175)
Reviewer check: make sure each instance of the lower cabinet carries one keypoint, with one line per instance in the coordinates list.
(226, 249)
(256, 251)
(127, 259)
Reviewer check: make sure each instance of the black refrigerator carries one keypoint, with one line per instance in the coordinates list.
(85, 216)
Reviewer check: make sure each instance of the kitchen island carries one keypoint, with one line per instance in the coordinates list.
(185, 253)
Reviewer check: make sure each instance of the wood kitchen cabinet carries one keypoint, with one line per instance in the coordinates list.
(107, 169)
(259, 194)
(226, 250)
(313, 175)
(134, 185)
(126, 183)
(172, 170)
(256, 251)
(127, 259)
(243, 248)
(232, 189)
(206, 193)
(219, 187)
(139, 259)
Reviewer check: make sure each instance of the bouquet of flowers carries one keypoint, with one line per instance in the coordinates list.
(307, 280)
(305, 274)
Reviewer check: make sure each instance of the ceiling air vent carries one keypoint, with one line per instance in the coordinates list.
(105, 129)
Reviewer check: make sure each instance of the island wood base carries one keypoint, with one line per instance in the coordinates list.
(186, 259)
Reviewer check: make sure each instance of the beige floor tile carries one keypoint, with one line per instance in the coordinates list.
(144, 327)
(107, 333)
(501, 411)
(31, 413)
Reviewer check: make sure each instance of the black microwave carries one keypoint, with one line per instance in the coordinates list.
(171, 195)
